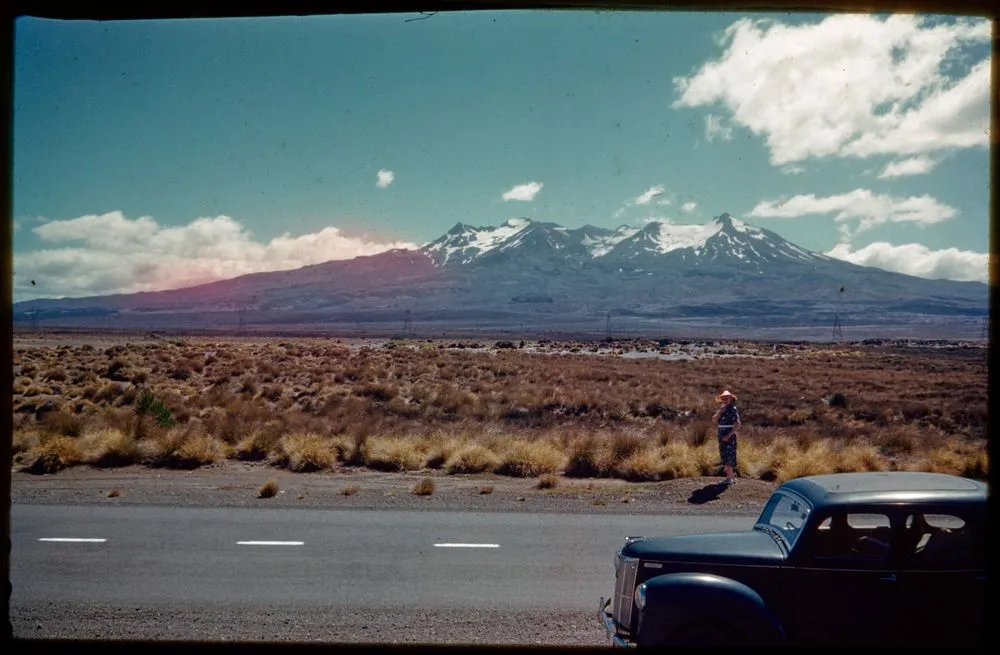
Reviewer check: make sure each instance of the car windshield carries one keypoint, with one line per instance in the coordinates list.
(785, 514)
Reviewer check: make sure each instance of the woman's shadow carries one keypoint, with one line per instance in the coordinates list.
(707, 493)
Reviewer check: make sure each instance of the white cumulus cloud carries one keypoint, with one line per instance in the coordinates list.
(525, 192)
(911, 166)
(650, 194)
(851, 85)
(689, 207)
(861, 205)
(111, 253)
(714, 127)
(384, 178)
(919, 260)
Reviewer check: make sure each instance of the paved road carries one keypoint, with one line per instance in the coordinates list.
(330, 560)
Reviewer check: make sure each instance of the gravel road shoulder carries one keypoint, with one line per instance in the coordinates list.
(237, 484)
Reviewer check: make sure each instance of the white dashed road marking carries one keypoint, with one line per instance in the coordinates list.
(73, 540)
(466, 545)
(270, 543)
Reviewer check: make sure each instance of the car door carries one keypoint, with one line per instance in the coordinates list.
(843, 581)
(942, 578)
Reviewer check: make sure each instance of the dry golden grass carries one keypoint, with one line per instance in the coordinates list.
(472, 458)
(107, 447)
(425, 487)
(467, 407)
(439, 449)
(642, 465)
(350, 491)
(524, 459)
(680, 460)
(394, 454)
(53, 454)
(305, 452)
(268, 490)
(257, 445)
(547, 481)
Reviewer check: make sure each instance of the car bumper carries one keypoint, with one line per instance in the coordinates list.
(609, 626)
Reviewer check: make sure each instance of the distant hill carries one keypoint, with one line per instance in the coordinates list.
(524, 274)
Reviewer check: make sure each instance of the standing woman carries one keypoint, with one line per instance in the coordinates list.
(728, 419)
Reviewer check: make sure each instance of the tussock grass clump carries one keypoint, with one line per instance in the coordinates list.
(109, 447)
(700, 432)
(620, 447)
(524, 459)
(643, 465)
(24, 441)
(268, 490)
(776, 453)
(200, 448)
(256, 446)
(859, 456)
(678, 459)
(548, 481)
(357, 455)
(394, 454)
(304, 452)
(583, 459)
(439, 450)
(472, 458)
(895, 442)
(486, 489)
(53, 455)
(350, 491)
(181, 448)
(957, 458)
(624, 444)
(815, 459)
(63, 423)
(424, 488)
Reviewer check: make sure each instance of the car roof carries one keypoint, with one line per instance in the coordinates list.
(887, 487)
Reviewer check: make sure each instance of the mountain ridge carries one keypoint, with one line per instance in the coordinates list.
(540, 272)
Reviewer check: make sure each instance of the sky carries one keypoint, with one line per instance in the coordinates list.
(160, 154)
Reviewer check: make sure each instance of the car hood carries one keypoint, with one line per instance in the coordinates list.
(751, 546)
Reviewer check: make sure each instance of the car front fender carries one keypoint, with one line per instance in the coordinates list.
(676, 600)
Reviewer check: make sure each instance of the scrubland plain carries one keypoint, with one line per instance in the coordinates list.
(637, 410)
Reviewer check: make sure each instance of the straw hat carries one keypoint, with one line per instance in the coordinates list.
(725, 393)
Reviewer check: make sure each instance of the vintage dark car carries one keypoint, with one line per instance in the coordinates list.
(847, 559)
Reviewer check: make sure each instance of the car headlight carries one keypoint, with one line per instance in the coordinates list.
(640, 596)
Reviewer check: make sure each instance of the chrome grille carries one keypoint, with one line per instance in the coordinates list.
(624, 589)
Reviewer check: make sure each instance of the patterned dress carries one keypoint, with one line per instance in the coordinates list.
(727, 421)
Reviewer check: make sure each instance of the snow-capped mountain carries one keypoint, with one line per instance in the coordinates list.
(721, 240)
(722, 271)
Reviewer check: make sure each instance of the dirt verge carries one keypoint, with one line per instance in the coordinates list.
(238, 484)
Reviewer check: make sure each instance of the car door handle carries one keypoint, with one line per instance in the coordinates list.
(889, 578)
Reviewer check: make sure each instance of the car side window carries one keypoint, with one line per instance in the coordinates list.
(845, 537)
(941, 541)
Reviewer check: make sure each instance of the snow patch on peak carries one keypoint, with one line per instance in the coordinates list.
(468, 243)
(602, 245)
(669, 236)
